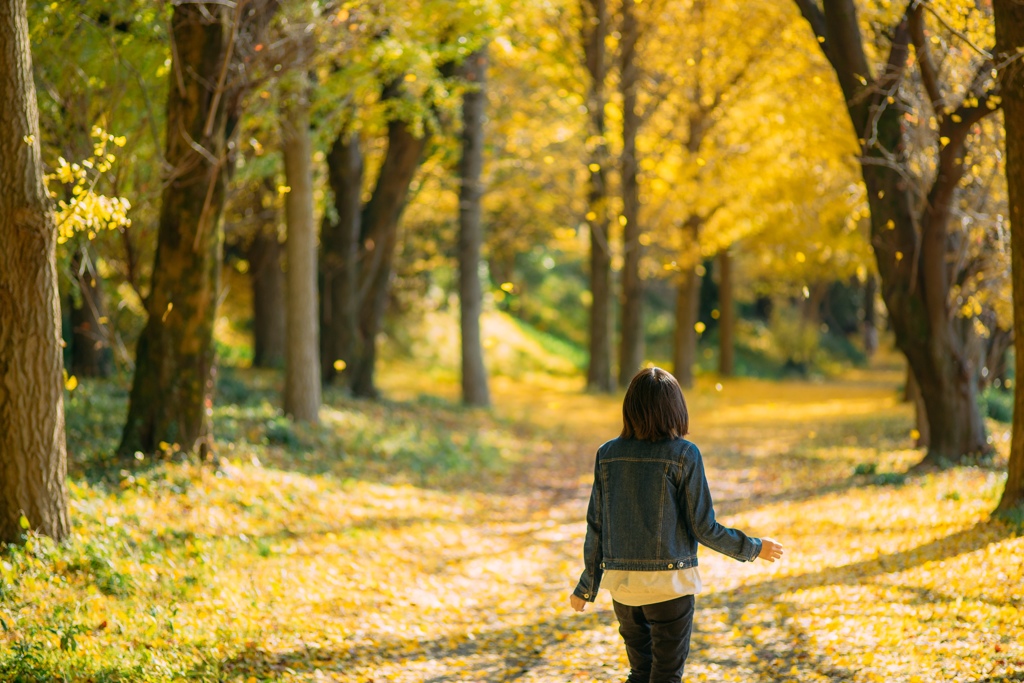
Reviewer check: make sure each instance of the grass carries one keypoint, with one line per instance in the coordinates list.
(416, 540)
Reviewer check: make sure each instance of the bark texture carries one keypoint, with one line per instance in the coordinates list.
(475, 391)
(33, 457)
(631, 347)
(910, 244)
(171, 397)
(594, 32)
(1009, 16)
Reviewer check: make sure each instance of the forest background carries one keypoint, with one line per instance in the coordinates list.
(230, 222)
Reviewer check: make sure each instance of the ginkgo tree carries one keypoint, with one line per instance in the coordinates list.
(726, 169)
(873, 48)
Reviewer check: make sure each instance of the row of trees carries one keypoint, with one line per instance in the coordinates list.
(684, 153)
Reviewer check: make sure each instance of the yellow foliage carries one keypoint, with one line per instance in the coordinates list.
(82, 210)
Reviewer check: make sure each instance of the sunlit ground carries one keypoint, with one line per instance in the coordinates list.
(335, 553)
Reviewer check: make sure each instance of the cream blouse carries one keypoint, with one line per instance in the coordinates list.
(636, 589)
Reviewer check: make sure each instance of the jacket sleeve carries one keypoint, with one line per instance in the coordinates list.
(700, 510)
(590, 579)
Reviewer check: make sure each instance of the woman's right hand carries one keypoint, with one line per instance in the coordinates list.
(771, 550)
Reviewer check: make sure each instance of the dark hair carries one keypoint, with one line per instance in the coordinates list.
(654, 408)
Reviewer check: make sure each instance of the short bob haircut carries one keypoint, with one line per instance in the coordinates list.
(654, 408)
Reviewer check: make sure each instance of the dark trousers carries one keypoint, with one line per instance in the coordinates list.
(657, 639)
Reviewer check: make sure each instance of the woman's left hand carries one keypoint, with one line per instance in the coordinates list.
(578, 603)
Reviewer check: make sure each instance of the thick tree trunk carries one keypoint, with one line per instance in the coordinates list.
(171, 397)
(302, 336)
(910, 248)
(474, 375)
(33, 458)
(378, 240)
(268, 307)
(684, 346)
(594, 33)
(339, 262)
(923, 323)
(1009, 16)
(91, 355)
(726, 317)
(631, 348)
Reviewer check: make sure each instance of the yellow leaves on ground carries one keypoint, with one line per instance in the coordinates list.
(249, 572)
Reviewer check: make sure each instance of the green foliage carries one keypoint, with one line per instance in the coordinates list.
(997, 404)
(890, 479)
(865, 468)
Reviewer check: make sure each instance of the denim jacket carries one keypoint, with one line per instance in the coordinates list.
(649, 508)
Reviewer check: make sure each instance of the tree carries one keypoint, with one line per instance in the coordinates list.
(706, 98)
(33, 458)
(302, 393)
(726, 317)
(474, 374)
(171, 396)
(594, 32)
(379, 238)
(911, 237)
(263, 252)
(339, 259)
(631, 346)
(1009, 19)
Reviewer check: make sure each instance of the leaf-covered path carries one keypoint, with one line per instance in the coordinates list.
(337, 554)
(883, 581)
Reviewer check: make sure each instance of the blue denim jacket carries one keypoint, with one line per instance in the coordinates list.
(649, 508)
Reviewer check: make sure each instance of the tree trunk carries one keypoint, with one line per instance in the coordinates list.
(910, 247)
(302, 335)
(594, 33)
(33, 458)
(268, 307)
(726, 317)
(91, 355)
(378, 240)
(1009, 17)
(913, 395)
(474, 375)
(684, 347)
(339, 262)
(631, 348)
(870, 316)
(684, 343)
(171, 398)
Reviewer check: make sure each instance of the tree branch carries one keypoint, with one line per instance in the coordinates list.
(929, 73)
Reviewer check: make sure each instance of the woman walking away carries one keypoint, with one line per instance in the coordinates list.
(649, 508)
